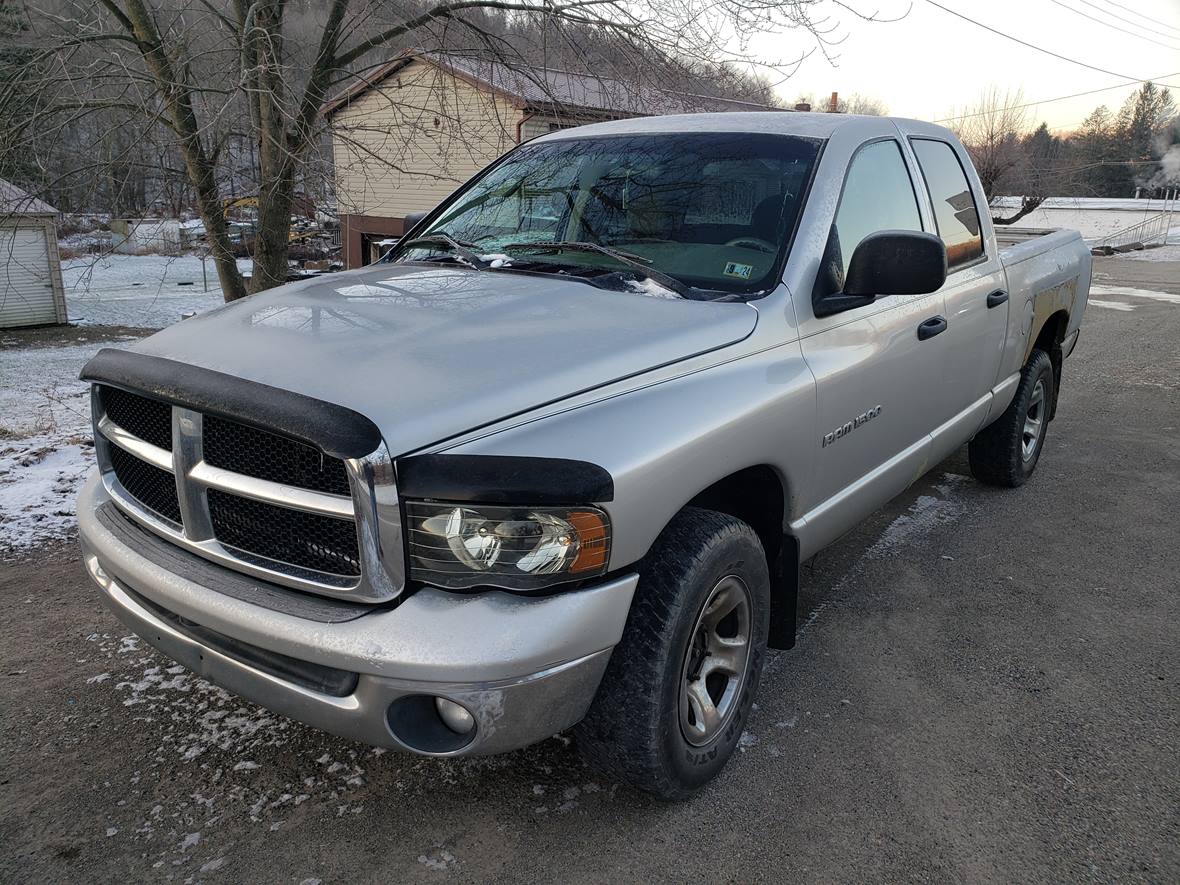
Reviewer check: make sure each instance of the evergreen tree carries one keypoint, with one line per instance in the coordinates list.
(1143, 118)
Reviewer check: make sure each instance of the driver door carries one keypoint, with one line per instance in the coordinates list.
(877, 379)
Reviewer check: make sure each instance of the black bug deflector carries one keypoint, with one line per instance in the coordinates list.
(335, 430)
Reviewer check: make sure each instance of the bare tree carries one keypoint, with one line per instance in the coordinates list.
(995, 129)
(245, 81)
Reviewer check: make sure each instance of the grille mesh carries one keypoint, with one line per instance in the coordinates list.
(307, 540)
(149, 485)
(264, 455)
(149, 419)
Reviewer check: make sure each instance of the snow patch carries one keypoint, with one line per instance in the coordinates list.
(438, 859)
(648, 286)
(1131, 292)
(46, 447)
(1110, 305)
(926, 514)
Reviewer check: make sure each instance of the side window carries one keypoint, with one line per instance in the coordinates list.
(954, 205)
(878, 195)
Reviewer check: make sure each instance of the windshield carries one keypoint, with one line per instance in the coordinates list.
(712, 212)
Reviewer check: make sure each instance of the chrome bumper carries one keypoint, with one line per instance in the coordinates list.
(525, 668)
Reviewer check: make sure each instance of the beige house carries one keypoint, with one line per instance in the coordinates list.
(419, 126)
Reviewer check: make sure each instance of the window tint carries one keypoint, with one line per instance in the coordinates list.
(954, 206)
(878, 195)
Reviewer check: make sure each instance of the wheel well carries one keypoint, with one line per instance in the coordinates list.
(756, 496)
(1049, 339)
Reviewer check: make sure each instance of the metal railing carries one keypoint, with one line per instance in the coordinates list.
(1148, 232)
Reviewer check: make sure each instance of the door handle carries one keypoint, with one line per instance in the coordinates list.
(996, 298)
(931, 327)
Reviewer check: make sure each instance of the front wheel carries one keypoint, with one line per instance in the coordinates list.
(1005, 453)
(679, 686)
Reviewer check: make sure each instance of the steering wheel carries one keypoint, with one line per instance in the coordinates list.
(754, 243)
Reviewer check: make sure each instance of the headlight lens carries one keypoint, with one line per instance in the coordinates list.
(517, 548)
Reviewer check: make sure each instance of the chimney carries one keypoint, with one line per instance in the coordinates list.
(833, 102)
(802, 106)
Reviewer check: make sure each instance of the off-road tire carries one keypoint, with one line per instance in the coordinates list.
(997, 452)
(633, 730)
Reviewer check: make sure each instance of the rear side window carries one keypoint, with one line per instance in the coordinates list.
(954, 206)
(878, 195)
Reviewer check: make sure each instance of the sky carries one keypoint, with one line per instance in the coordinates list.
(931, 65)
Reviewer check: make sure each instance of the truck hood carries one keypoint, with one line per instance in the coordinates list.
(429, 353)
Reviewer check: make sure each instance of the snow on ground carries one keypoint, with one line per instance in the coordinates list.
(148, 291)
(1110, 305)
(45, 441)
(925, 515)
(45, 437)
(1133, 292)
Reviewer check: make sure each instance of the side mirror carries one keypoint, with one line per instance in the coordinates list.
(889, 262)
(412, 219)
(897, 262)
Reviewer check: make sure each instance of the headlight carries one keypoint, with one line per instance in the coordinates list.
(517, 548)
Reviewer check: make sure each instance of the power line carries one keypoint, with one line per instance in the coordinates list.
(1126, 21)
(1141, 15)
(1107, 24)
(1074, 95)
(1072, 61)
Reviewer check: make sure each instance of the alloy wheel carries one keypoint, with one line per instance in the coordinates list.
(715, 664)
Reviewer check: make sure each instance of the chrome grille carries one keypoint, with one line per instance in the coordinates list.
(318, 543)
(262, 503)
(148, 419)
(266, 455)
(154, 488)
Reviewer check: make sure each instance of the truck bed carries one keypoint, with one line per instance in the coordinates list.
(1047, 271)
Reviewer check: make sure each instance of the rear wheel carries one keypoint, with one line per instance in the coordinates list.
(678, 690)
(1005, 453)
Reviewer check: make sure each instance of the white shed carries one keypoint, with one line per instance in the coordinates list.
(31, 291)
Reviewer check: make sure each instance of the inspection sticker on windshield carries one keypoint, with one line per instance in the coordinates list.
(741, 271)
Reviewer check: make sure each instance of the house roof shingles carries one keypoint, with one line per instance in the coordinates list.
(553, 89)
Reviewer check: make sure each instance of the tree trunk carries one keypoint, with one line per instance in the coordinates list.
(183, 121)
(274, 231)
(264, 46)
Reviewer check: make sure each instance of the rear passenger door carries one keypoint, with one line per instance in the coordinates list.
(976, 304)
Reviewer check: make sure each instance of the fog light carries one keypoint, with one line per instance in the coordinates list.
(456, 717)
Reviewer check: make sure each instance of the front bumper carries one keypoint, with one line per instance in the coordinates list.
(525, 668)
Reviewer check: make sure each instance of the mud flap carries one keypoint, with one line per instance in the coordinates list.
(784, 599)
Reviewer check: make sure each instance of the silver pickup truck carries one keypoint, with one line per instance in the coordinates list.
(555, 462)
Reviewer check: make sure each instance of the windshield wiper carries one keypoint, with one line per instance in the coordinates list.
(637, 262)
(461, 249)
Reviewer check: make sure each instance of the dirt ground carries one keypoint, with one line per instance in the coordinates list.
(985, 689)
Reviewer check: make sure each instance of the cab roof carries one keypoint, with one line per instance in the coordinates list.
(807, 125)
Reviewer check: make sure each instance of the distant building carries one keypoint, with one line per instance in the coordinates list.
(419, 126)
(135, 236)
(31, 291)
